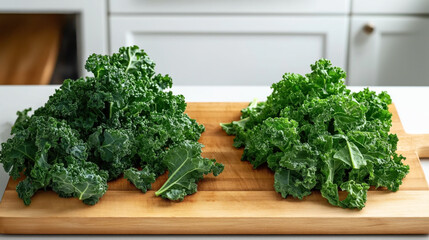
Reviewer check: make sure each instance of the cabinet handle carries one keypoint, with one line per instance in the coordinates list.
(369, 28)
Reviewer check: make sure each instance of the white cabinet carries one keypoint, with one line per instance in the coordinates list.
(253, 42)
(389, 50)
(233, 50)
(224, 42)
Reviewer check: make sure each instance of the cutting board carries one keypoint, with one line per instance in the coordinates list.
(239, 201)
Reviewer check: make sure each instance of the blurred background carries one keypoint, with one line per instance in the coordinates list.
(219, 42)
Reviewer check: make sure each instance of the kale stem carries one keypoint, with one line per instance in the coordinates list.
(110, 110)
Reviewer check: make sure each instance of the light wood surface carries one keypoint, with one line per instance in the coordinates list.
(239, 201)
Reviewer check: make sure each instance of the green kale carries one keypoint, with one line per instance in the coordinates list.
(141, 179)
(94, 129)
(81, 180)
(185, 168)
(317, 135)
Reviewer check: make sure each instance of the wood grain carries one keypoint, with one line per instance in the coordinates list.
(239, 201)
(216, 212)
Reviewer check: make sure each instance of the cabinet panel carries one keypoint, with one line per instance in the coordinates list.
(396, 52)
(233, 50)
(390, 7)
(231, 6)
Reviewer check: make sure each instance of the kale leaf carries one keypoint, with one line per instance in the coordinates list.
(80, 180)
(141, 179)
(185, 168)
(317, 135)
(94, 129)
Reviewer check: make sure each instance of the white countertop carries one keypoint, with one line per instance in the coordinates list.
(411, 103)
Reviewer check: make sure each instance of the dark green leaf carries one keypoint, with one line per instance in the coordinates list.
(351, 156)
(186, 167)
(141, 179)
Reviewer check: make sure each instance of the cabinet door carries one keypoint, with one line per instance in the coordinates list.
(389, 51)
(232, 50)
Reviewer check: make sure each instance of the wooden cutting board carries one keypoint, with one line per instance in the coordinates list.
(239, 201)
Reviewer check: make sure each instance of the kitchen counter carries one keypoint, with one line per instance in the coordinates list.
(411, 103)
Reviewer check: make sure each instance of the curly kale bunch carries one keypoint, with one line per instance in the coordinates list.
(315, 134)
(94, 129)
